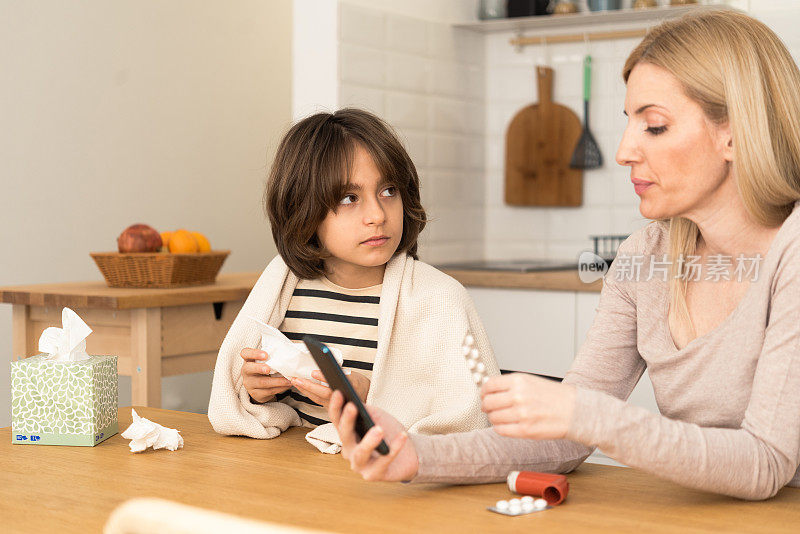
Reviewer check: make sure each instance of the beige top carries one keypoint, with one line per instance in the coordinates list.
(729, 400)
(419, 373)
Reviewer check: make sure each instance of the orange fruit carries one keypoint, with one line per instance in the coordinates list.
(203, 245)
(165, 241)
(182, 241)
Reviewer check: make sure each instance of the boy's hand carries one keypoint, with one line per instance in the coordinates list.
(256, 379)
(321, 394)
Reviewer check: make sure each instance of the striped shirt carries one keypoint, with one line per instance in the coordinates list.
(343, 318)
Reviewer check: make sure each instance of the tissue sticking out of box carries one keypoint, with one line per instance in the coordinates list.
(287, 358)
(144, 433)
(68, 343)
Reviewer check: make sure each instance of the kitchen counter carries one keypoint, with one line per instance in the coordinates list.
(555, 280)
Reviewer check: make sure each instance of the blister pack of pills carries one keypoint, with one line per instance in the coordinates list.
(525, 505)
(473, 358)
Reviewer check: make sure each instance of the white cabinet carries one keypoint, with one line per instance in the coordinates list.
(540, 331)
(530, 330)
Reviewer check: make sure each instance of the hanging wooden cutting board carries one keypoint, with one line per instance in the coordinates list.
(539, 145)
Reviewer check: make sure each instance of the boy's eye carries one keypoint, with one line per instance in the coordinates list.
(389, 191)
(348, 199)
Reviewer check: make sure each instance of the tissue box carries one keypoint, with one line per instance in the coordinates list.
(63, 403)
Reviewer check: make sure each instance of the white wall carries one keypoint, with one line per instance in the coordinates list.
(427, 80)
(442, 11)
(315, 57)
(405, 62)
(610, 205)
(448, 91)
(113, 113)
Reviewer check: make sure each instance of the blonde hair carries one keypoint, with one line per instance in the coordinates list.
(739, 72)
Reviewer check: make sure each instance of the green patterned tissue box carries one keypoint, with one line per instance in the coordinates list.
(63, 403)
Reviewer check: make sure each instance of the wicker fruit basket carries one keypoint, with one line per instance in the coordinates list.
(159, 269)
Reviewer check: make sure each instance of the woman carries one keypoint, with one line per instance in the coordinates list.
(713, 143)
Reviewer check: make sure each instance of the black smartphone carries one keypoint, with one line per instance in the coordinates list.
(337, 380)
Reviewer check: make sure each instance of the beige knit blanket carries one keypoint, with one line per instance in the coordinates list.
(419, 374)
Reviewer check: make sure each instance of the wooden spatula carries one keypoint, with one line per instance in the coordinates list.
(539, 144)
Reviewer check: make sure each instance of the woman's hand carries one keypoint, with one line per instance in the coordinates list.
(400, 464)
(256, 379)
(321, 394)
(526, 406)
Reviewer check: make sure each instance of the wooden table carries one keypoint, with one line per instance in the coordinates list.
(154, 332)
(285, 480)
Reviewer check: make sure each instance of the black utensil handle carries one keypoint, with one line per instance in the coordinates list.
(586, 114)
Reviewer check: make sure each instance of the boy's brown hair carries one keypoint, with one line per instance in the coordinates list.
(309, 178)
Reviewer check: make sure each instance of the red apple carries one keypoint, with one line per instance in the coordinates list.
(139, 238)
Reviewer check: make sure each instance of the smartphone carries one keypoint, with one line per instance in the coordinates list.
(337, 380)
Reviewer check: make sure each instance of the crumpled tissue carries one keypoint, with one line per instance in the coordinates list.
(68, 343)
(287, 358)
(145, 433)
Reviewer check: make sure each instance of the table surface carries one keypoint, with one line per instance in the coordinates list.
(285, 480)
(228, 287)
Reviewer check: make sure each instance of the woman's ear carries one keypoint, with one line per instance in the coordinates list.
(725, 138)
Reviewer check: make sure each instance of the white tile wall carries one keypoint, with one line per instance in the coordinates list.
(609, 204)
(427, 80)
(451, 94)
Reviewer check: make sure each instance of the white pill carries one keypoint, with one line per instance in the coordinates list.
(501, 505)
(480, 367)
(471, 364)
(527, 498)
(527, 507)
(469, 340)
(514, 509)
(474, 354)
(539, 504)
(514, 502)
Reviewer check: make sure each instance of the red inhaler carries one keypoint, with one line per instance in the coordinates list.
(552, 488)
